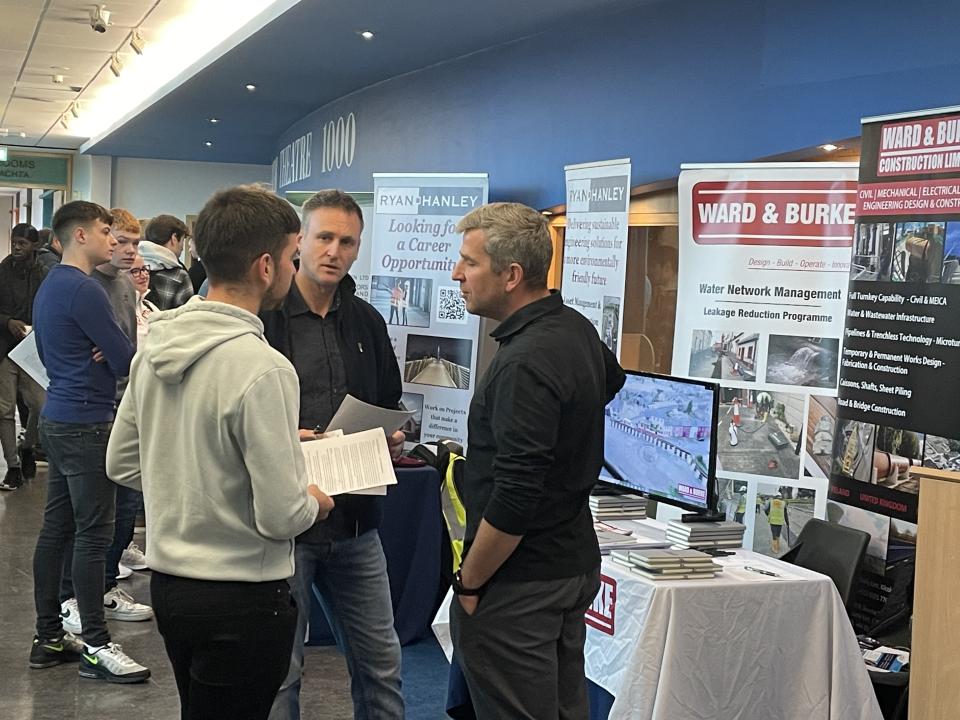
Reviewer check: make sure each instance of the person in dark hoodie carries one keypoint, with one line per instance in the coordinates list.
(51, 251)
(339, 344)
(20, 278)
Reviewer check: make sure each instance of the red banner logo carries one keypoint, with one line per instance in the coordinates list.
(602, 614)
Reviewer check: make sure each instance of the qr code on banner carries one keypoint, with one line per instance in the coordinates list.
(450, 306)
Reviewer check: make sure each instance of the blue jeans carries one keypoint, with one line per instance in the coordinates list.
(351, 579)
(80, 508)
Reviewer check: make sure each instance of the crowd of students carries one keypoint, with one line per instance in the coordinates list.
(196, 407)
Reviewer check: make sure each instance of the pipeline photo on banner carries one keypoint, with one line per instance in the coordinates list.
(764, 259)
(595, 244)
(415, 248)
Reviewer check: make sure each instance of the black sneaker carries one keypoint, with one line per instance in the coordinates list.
(12, 480)
(48, 653)
(28, 463)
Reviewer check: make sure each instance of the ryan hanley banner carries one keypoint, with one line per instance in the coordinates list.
(595, 244)
(764, 258)
(900, 373)
(415, 247)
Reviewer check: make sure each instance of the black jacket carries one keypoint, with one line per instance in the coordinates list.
(373, 374)
(18, 286)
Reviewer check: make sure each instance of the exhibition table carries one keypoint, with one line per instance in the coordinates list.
(741, 645)
(412, 537)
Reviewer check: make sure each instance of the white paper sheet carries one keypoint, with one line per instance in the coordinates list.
(349, 463)
(354, 416)
(26, 356)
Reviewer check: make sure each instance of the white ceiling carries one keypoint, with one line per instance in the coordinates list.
(43, 38)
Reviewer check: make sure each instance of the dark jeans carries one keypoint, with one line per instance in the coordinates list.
(522, 649)
(80, 509)
(128, 505)
(229, 643)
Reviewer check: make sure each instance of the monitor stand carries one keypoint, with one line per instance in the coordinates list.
(702, 517)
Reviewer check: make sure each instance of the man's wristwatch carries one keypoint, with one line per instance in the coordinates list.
(459, 589)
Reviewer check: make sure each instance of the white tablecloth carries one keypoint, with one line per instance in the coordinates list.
(741, 646)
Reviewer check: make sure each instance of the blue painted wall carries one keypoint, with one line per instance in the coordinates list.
(679, 81)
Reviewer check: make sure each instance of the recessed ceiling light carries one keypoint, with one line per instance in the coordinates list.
(214, 121)
(829, 147)
(366, 34)
(251, 88)
(208, 144)
(22, 134)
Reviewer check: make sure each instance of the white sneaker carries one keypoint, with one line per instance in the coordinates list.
(134, 558)
(123, 572)
(118, 605)
(110, 663)
(70, 616)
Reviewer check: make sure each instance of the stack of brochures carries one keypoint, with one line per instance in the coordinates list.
(705, 534)
(672, 564)
(611, 537)
(618, 507)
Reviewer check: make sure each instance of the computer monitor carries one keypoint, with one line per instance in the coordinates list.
(660, 439)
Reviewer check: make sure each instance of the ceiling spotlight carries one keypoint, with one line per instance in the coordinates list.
(75, 109)
(214, 121)
(22, 134)
(4, 132)
(137, 42)
(57, 79)
(63, 122)
(251, 88)
(115, 65)
(208, 144)
(829, 147)
(366, 34)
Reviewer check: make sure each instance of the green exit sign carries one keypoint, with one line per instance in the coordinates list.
(3, 154)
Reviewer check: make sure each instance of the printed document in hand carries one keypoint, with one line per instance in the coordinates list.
(355, 415)
(350, 462)
(26, 356)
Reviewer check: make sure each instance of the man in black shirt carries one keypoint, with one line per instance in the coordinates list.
(532, 563)
(338, 344)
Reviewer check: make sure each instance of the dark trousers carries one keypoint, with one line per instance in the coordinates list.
(229, 643)
(128, 505)
(522, 649)
(80, 508)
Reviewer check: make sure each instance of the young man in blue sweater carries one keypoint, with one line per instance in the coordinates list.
(85, 352)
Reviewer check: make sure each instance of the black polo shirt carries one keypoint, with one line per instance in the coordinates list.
(536, 439)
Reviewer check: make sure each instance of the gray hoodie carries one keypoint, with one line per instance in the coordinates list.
(208, 430)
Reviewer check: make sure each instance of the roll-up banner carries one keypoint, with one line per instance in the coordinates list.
(900, 372)
(764, 260)
(415, 247)
(595, 244)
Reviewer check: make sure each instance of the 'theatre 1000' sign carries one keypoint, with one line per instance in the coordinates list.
(338, 146)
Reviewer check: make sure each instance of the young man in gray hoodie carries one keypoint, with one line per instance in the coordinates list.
(223, 511)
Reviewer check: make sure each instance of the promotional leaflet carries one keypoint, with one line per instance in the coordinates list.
(764, 259)
(415, 248)
(595, 244)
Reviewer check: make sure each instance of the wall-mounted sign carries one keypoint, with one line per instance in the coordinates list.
(298, 160)
(26, 169)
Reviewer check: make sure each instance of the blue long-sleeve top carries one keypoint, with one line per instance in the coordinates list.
(72, 316)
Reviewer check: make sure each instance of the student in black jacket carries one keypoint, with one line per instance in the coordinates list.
(20, 277)
(338, 344)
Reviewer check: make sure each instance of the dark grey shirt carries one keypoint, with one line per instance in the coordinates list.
(315, 353)
(123, 300)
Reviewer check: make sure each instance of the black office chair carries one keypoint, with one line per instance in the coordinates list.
(832, 550)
